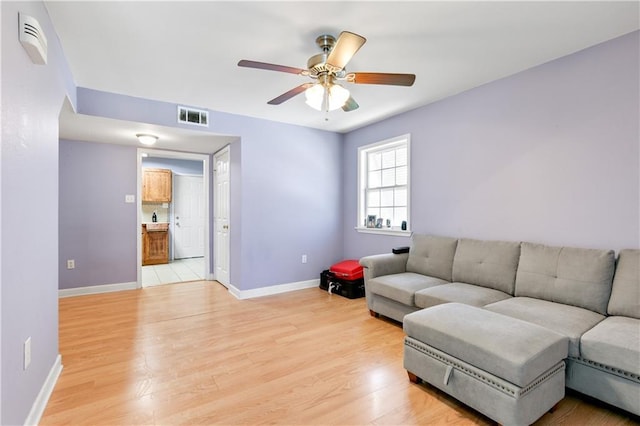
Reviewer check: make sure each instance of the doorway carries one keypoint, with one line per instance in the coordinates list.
(187, 214)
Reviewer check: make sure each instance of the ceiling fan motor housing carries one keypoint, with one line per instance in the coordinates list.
(317, 64)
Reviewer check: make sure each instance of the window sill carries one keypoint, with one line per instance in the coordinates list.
(384, 231)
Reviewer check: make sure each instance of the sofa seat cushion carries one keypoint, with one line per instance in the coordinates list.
(458, 292)
(614, 342)
(511, 349)
(567, 320)
(402, 287)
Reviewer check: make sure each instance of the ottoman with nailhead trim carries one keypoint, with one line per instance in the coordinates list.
(508, 369)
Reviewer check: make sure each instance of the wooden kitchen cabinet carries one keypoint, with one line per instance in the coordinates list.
(156, 185)
(155, 244)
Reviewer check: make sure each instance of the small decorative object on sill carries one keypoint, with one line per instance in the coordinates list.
(371, 221)
(400, 250)
(404, 225)
(379, 223)
(388, 223)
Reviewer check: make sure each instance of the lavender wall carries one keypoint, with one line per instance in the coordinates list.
(549, 155)
(97, 228)
(32, 96)
(235, 222)
(285, 190)
(291, 192)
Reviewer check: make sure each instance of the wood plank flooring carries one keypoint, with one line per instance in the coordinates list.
(191, 353)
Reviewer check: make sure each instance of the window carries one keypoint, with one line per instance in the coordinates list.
(383, 186)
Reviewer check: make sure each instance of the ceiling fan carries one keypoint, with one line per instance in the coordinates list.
(328, 68)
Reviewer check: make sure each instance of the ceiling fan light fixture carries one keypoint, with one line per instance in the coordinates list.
(315, 96)
(338, 96)
(146, 139)
(318, 95)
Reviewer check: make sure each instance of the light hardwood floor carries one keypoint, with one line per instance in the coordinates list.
(190, 353)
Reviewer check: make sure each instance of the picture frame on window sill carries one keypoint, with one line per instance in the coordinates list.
(371, 221)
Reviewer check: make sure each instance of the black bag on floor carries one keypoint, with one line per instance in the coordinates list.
(351, 289)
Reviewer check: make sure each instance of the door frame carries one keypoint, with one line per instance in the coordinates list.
(206, 170)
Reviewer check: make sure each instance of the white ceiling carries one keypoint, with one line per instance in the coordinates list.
(187, 52)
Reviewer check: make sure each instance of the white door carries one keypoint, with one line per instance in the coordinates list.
(188, 211)
(221, 215)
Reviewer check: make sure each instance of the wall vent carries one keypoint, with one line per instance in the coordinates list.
(33, 39)
(194, 116)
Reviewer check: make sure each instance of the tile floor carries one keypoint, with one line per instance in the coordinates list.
(173, 272)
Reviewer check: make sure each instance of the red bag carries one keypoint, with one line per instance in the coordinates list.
(347, 269)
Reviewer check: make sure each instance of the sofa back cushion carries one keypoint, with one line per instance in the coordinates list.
(625, 294)
(573, 276)
(490, 264)
(432, 255)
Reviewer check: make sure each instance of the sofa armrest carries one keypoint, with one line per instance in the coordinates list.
(384, 264)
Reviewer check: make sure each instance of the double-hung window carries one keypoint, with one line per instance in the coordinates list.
(383, 186)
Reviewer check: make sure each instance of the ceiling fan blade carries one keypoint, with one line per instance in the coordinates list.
(270, 67)
(346, 46)
(381, 78)
(290, 94)
(350, 105)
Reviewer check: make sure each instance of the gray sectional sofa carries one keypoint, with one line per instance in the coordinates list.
(586, 296)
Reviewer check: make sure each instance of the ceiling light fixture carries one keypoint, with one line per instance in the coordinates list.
(325, 95)
(146, 139)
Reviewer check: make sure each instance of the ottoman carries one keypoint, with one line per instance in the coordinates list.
(508, 369)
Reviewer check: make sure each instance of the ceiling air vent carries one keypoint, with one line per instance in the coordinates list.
(33, 39)
(194, 116)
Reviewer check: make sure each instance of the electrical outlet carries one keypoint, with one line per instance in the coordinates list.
(304, 258)
(27, 353)
(71, 264)
(129, 198)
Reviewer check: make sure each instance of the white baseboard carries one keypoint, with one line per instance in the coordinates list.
(274, 289)
(45, 393)
(105, 288)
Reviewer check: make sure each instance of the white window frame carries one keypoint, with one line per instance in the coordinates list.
(362, 178)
